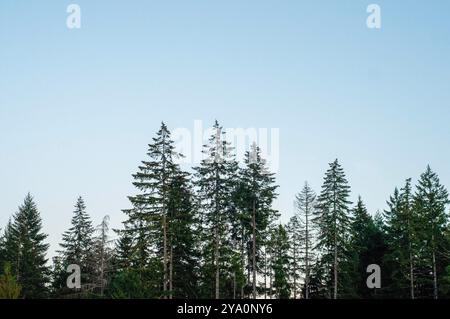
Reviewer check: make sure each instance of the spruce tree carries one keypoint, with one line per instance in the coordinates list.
(333, 220)
(280, 262)
(430, 200)
(256, 209)
(215, 180)
(401, 227)
(183, 238)
(2, 250)
(367, 247)
(26, 250)
(305, 203)
(293, 229)
(149, 213)
(9, 288)
(101, 256)
(76, 248)
(160, 221)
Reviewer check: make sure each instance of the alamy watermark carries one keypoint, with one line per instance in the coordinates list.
(190, 142)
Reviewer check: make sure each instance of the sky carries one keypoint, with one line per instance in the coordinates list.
(79, 106)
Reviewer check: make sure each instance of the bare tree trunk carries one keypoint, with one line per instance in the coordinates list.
(234, 285)
(254, 250)
(435, 285)
(335, 270)
(171, 271)
(411, 272)
(164, 221)
(265, 273)
(307, 253)
(295, 271)
(242, 259)
(216, 261)
(165, 279)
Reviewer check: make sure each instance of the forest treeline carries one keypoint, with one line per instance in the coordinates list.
(215, 234)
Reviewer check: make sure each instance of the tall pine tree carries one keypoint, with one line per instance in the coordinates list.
(430, 201)
(259, 189)
(401, 227)
(26, 250)
(334, 224)
(215, 182)
(76, 248)
(305, 203)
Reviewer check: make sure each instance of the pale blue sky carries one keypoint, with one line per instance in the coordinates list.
(78, 107)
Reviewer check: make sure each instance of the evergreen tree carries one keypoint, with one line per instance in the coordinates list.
(368, 247)
(124, 250)
(430, 201)
(293, 229)
(102, 256)
(183, 238)
(305, 203)
(148, 218)
(280, 263)
(215, 182)
(2, 250)
(158, 234)
(334, 223)
(76, 248)
(257, 213)
(9, 288)
(403, 242)
(26, 250)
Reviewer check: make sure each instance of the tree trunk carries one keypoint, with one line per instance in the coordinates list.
(306, 254)
(171, 272)
(265, 272)
(165, 279)
(216, 261)
(435, 286)
(242, 259)
(254, 250)
(411, 272)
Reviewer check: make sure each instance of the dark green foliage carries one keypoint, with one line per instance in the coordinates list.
(367, 248)
(215, 180)
(333, 221)
(256, 194)
(430, 202)
(158, 234)
(25, 250)
(9, 288)
(280, 264)
(76, 248)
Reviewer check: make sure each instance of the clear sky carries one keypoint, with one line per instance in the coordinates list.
(78, 106)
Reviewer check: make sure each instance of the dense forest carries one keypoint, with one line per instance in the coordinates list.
(214, 233)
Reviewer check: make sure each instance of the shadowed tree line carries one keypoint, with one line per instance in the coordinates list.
(214, 233)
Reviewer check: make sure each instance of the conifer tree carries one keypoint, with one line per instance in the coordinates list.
(9, 288)
(333, 221)
(124, 250)
(26, 250)
(293, 229)
(183, 238)
(102, 256)
(159, 225)
(149, 217)
(430, 201)
(2, 250)
(76, 248)
(305, 203)
(215, 180)
(256, 209)
(367, 247)
(401, 226)
(280, 262)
